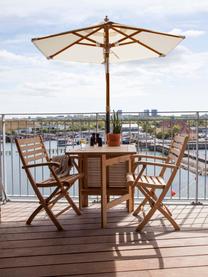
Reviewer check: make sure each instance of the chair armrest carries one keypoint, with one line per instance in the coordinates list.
(42, 164)
(140, 156)
(145, 163)
(117, 160)
(73, 158)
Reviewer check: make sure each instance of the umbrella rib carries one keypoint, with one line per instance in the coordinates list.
(141, 43)
(148, 31)
(122, 39)
(125, 43)
(68, 32)
(91, 40)
(75, 42)
(87, 44)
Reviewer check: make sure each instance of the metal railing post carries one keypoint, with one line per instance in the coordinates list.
(196, 202)
(3, 183)
(96, 122)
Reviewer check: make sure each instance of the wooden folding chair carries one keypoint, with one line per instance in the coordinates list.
(33, 154)
(124, 193)
(149, 184)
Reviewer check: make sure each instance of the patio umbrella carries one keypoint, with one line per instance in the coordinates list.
(105, 43)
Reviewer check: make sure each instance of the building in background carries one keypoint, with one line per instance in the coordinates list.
(154, 112)
(146, 113)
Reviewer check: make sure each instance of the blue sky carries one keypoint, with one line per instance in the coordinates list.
(30, 83)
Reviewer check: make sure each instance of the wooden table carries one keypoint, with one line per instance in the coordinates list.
(104, 169)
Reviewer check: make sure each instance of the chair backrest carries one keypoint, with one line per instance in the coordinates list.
(31, 151)
(176, 152)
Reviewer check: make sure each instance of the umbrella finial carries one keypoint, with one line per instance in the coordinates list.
(106, 18)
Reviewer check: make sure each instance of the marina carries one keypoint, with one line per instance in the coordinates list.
(184, 184)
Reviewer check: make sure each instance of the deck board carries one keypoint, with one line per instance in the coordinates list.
(84, 249)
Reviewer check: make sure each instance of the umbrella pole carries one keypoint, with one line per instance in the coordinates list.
(107, 75)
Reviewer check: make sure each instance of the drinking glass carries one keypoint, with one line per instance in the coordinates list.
(82, 143)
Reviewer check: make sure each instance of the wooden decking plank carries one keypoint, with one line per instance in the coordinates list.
(173, 272)
(108, 266)
(113, 255)
(85, 248)
(113, 217)
(81, 228)
(111, 238)
(92, 232)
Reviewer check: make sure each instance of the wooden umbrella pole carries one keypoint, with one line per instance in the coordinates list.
(107, 97)
(107, 74)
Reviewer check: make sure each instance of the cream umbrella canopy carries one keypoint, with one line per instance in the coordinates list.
(107, 43)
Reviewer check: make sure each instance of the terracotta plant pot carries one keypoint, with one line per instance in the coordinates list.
(114, 139)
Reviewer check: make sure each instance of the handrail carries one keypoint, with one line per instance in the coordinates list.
(82, 124)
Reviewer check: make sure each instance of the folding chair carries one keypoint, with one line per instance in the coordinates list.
(33, 154)
(149, 184)
(124, 192)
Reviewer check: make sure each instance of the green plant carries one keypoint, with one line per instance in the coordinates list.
(116, 122)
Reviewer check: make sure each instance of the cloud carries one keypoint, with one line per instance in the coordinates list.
(188, 33)
(79, 11)
(81, 87)
(29, 82)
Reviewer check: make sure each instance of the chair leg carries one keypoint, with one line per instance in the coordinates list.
(53, 218)
(49, 213)
(140, 207)
(169, 218)
(39, 208)
(33, 215)
(156, 205)
(153, 195)
(146, 218)
(166, 208)
(144, 202)
(73, 205)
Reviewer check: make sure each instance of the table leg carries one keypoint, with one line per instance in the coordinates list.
(85, 201)
(130, 202)
(103, 193)
(84, 182)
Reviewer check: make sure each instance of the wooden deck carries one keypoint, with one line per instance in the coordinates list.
(84, 249)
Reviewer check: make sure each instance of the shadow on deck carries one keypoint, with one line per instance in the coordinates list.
(84, 249)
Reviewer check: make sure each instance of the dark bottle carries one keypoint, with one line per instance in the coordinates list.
(92, 140)
(100, 142)
(97, 137)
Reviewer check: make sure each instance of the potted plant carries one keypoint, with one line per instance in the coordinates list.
(114, 138)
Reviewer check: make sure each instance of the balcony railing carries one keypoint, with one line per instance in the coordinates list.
(151, 132)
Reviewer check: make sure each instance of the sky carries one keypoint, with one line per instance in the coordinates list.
(29, 83)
